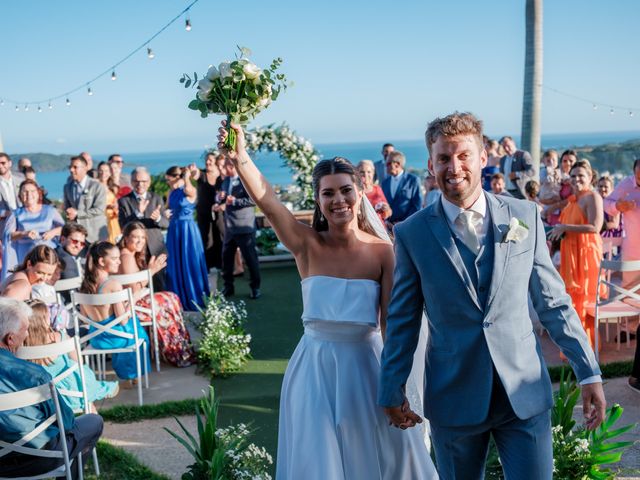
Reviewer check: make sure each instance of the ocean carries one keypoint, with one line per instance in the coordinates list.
(273, 168)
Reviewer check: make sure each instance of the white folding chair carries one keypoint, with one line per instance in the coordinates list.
(53, 350)
(96, 299)
(66, 285)
(622, 303)
(608, 246)
(143, 276)
(26, 398)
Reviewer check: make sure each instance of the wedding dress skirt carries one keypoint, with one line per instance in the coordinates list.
(330, 425)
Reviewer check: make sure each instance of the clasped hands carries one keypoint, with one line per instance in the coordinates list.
(402, 417)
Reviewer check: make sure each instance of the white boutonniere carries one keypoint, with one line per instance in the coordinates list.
(518, 231)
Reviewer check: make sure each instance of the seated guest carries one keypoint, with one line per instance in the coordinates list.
(42, 333)
(175, 344)
(148, 208)
(372, 191)
(82, 432)
(71, 249)
(498, 185)
(103, 260)
(402, 189)
(29, 225)
(37, 267)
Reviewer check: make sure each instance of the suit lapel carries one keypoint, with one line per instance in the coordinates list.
(437, 222)
(500, 216)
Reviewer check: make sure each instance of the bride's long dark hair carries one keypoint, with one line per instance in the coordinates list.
(335, 166)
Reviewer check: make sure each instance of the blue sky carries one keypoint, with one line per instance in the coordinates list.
(363, 70)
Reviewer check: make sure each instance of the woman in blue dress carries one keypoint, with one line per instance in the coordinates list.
(41, 333)
(103, 260)
(30, 225)
(187, 273)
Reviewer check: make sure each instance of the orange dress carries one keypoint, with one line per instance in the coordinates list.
(580, 256)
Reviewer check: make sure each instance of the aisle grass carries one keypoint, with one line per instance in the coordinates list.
(252, 396)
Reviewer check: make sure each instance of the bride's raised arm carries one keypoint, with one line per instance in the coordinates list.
(291, 233)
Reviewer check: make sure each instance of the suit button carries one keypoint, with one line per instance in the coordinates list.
(486, 324)
(482, 289)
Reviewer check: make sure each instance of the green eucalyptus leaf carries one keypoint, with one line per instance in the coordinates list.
(194, 104)
(188, 83)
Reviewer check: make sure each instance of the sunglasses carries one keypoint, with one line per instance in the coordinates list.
(80, 243)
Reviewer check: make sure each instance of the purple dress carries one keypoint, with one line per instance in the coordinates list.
(187, 274)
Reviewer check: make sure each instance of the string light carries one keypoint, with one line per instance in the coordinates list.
(50, 106)
(612, 111)
(39, 109)
(150, 55)
(26, 108)
(1, 103)
(17, 109)
(595, 105)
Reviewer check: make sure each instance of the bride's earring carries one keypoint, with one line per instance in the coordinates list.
(321, 217)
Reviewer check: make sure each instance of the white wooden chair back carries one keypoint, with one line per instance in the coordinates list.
(29, 397)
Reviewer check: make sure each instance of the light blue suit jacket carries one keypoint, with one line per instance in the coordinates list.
(467, 339)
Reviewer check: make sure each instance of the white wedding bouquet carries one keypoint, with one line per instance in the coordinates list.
(238, 89)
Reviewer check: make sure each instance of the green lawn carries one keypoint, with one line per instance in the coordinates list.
(252, 396)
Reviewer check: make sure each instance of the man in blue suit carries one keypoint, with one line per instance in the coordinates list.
(402, 189)
(471, 260)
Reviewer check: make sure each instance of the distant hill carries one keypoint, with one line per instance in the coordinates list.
(44, 162)
(612, 157)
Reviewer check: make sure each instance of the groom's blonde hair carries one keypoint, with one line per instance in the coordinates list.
(457, 123)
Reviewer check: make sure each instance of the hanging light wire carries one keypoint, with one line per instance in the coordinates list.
(593, 103)
(109, 70)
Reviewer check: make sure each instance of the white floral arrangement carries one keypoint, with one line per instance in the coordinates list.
(298, 154)
(247, 461)
(224, 347)
(238, 89)
(517, 232)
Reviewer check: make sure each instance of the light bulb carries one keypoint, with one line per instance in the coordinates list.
(50, 106)
(39, 109)
(113, 75)
(150, 54)
(611, 112)
(17, 109)
(89, 92)
(595, 107)
(187, 25)
(631, 114)
(1, 103)
(68, 103)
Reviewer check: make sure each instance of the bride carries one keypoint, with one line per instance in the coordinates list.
(330, 426)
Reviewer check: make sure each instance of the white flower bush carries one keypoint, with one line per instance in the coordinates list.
(224, 347)
(297, 152)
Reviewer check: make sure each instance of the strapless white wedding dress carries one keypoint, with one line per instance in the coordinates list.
(330, 425)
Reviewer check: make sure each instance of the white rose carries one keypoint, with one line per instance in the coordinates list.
(213, 73)
(204, 88)
(251, 70)
(225, 70)
(518, 231)
(264, 102)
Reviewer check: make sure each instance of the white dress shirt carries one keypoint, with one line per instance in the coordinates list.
(395, 181)
(10, 192)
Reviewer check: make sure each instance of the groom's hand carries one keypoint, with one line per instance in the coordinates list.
(593, 405)
(402, 417)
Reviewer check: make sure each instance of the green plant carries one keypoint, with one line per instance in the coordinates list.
(224, 347)
(159, 185)
(221, 454)
(266, 241)
(577, 453)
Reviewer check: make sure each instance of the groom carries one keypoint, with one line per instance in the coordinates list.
(485, 374)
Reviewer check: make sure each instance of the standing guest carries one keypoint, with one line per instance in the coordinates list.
(85, 200)
(70, 249)
(16, 374)
(612, 226)
(91, 172)
(549, 164)
(209, 184)
(494, 153)
(23, 163)
(373, 192)
(625, 199)
(432, 190)
(381, 165)
(111, 212)
(567, 159)
(144, 206)
(186, 268)
(103, 260)
(581, 246)
(239, 231)
(517, 168)
(41, 333)
(29, 225)
(550, 185)
(30, 174)
(498, 185)
(121, 180)
(402, 189)
(38, 266)
(9, 186)
(174, 341)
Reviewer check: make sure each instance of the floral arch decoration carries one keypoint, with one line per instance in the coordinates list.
(297, 152)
